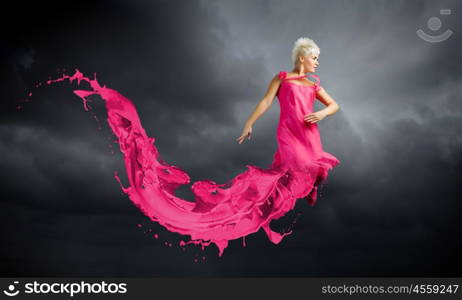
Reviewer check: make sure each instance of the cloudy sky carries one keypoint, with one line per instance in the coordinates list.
(195, 70)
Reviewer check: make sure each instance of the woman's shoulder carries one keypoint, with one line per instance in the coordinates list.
(282, 75)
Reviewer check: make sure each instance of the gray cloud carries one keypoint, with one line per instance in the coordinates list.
(195, 71)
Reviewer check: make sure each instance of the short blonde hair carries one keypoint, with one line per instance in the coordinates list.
(304, 46)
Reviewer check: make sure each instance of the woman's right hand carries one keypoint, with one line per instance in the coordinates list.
(246, 132)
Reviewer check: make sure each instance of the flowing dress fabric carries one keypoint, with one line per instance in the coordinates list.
(239, 207)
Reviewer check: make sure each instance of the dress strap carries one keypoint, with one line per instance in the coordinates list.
(317, 83)
(283, 76)
(316, 77)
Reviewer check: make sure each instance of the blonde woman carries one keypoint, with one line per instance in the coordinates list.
(299, 143)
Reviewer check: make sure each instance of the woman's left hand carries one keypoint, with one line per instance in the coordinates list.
(314, 117)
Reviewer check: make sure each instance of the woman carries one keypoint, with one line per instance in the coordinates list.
(299, 142)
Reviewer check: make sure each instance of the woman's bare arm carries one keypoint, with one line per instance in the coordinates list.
(331, 106)
(261, 108)
(266, 101)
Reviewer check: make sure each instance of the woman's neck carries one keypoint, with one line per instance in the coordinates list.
(299, 71)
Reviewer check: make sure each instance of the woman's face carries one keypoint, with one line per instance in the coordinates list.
(310, 62)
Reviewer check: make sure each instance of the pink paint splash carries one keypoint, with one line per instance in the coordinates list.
(221, 212)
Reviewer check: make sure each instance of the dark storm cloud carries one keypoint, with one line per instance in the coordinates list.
(195, 70)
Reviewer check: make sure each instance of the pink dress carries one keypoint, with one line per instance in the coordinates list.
(220, 212)
(299, 143)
